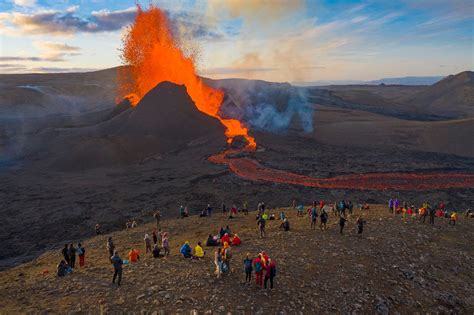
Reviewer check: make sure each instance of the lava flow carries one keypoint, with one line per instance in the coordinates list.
(252, 170)
(154, 56)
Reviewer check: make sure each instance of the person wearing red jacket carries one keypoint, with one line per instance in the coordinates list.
(270, 272)
(258, 267)
(226, 239)
(321, 204)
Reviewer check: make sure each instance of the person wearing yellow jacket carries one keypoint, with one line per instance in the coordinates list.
(453, 219)
(198, 251)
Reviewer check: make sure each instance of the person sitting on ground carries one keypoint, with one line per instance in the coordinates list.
(63, 269)
(183, 211)
(233, 212)
(128, 224)
(156, 251)
(203, 213)
(186, 250)
(300, 212)
(225, 238)
(134, 224)
(227, 230)
(468, 213)
(98, 229)
(198, 251)
(212, 241)
(133, 255)
(236, 240)
(285, 225)
(282, 216)
(272, 217)
(221, 232)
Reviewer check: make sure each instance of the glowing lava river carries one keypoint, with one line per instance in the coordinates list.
(252, 170)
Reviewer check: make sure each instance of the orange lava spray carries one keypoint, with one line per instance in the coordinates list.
(154, 56)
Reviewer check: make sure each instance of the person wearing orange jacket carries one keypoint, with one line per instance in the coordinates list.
(133, 255)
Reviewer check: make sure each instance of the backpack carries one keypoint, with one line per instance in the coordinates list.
(273, 272)
(258, 267)
(225, 268)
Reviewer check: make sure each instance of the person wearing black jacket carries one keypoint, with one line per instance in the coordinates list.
(65, 253)
(342, 222)
(72, 256)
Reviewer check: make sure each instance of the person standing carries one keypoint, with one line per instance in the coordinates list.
(209, 210)
(314, 216)
(110, 246)
(65, 253)
(248, 268)
(270, 272)
(147, 240)
(117, 262)
(81, 252)
(72, 256)
(157, 216)
(246, 208)
(360, 225)
(390, 205)
(350, 206)
(324, 219)
(258, 266)
(342, 223)
(224, 209)
(453, 218)
(165, 243)
(432, 213)
(155, 238)
(218, 262)
(261, 226)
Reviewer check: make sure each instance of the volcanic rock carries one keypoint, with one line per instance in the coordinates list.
(166, 119)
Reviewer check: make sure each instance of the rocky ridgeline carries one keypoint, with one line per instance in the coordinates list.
(394, 267)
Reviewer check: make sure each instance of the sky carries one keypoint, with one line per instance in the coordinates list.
(274, 40)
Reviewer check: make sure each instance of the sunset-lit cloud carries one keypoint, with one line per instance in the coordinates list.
(280, 40)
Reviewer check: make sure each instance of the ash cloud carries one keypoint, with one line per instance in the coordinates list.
(266, 106)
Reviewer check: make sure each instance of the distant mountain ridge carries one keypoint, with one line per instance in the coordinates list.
(409, 80)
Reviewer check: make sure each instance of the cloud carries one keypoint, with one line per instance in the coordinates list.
(50, 52)
(25, 3)
(54, 22)
(17, 58)
(56, 46)
(255, 11)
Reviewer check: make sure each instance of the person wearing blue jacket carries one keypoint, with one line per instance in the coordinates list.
(186, 250)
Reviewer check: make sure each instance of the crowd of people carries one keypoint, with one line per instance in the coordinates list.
(157, 243)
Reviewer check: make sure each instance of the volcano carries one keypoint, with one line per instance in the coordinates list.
(165, 119)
